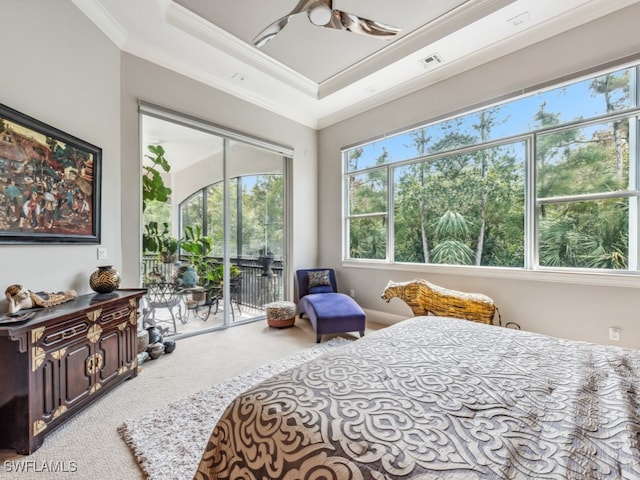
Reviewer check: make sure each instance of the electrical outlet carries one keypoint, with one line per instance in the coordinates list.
(352, 293)
(614, 334)
(102, 253)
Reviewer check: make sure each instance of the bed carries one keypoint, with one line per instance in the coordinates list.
(439, 398)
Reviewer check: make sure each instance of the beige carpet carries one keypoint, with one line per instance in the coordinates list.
(90, 443)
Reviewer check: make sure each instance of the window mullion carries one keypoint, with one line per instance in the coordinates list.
(390, 230)
(634, 182)
(530, 207)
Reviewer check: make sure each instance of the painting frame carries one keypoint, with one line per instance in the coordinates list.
(50, 183)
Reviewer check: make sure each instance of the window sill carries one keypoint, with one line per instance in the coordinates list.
(580, 277)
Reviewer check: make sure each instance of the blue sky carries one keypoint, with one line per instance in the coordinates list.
(571, 102)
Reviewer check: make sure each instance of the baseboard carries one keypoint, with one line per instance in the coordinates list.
(383, 318)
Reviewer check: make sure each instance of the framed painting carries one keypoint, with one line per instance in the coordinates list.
(49, 183)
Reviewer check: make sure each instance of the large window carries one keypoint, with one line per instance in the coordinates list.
(192, 211)
(257, 215)
(542, 181)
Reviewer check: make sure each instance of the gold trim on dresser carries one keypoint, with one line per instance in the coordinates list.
(58, 354)
(37, 357)
(94, 315)
(39, 426)
(94, 333)
(59, 411)
(36, 334)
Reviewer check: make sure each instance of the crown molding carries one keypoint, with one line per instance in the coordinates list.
(186, 20)
(160, 58)
(103, 20)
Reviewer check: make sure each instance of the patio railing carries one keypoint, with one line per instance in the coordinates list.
(254, 290)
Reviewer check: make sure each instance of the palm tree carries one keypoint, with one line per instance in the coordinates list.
(452, 228)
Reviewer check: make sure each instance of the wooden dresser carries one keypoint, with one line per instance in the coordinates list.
(62, 360)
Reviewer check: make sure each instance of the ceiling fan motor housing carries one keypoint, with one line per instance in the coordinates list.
(320, 14)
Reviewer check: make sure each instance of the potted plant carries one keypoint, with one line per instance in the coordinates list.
(198, 248)
(266, 260)
(218, 273)
(156, 239)
(169, 249)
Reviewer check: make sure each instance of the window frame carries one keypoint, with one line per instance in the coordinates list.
(531, 269)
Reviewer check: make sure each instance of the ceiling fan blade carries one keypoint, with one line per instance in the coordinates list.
(271, 31)
(276, 27)
(353, 23)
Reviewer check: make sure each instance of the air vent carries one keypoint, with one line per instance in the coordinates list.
(431, 61)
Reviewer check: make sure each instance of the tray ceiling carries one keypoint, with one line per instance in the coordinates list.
(319, 76)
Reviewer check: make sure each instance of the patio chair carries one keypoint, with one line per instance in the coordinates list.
(162, 295)
(234, 295)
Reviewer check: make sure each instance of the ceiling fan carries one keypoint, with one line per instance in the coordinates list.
(322, 14)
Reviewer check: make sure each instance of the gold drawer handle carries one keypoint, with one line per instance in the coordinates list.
(94, 363)
(66, 335)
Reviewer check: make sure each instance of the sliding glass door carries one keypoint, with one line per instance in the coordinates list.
(228, 209)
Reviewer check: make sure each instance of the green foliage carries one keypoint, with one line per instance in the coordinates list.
(452, 198)
(467, 207)
(217, 274)
(159, 212)
(452, 252)
(198, 247)
(256, 210)
(368, 238)
(267, 199)
(153, 187)
(585, 235)
(452, 225)
(156, 239)
(156, 211)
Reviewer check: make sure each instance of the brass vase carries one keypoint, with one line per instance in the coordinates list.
(104, 280)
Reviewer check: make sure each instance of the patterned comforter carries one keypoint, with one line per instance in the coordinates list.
(439, 398)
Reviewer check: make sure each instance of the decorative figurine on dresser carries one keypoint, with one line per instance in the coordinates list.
(19, 298)
(56, 360)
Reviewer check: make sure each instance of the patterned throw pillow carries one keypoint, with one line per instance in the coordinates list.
(319, 278)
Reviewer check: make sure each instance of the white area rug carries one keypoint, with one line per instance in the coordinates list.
(168, 442)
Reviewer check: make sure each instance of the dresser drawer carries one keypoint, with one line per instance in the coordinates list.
(62, 333)
(116, 314)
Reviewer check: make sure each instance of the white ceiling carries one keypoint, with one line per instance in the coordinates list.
(320, 54)
(318, 76)
(183, 146)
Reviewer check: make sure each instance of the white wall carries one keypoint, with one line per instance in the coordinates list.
(567, 310)
(59, 68)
